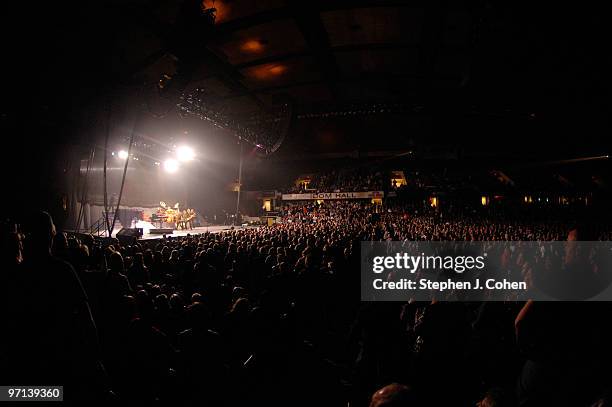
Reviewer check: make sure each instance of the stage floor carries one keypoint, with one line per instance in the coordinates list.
(203, 229)
(198, 230)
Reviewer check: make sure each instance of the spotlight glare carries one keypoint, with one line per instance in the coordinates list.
(171, 165)
(185, 153)
(122, 154)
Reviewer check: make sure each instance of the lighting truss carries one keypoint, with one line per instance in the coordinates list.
(266, 131)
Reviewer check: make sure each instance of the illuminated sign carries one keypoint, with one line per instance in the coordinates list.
(334, 195)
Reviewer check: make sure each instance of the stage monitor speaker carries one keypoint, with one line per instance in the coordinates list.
(129, 235)
(161, 231)
(137, 232)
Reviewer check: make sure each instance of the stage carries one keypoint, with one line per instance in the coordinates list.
(176, 233)
(194, 231)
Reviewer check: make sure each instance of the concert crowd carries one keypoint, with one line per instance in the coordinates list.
(346, 179)
(272, 315)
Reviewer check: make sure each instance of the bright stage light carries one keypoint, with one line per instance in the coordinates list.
(171, 165)
(122, 154)
(185, 153)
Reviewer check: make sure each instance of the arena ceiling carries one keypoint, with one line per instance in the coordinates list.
(264, 51)
(477, 58)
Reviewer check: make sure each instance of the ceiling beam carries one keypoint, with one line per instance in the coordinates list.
(344, 81)
(272, 59)
(308, 20)
(287, 12)
(339, 49)
(431, 41)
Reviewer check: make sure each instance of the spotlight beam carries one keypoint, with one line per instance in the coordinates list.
(185, 153)
(171, 165)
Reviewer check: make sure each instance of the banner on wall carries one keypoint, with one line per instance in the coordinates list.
(333, 195)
